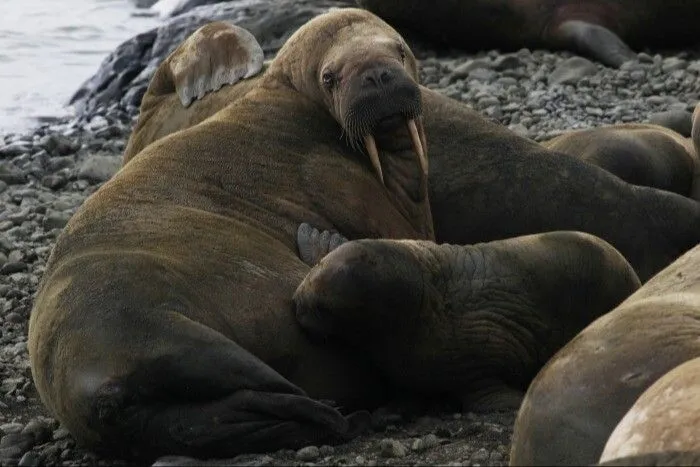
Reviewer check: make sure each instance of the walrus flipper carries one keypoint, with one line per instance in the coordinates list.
(595, 41)
(216, 54)
(314, 244)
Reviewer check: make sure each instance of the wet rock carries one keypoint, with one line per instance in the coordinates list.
(11, 175)
(133, 63)
(55, 220)
(572, 70)
(30, 459)
(426, 442)
(308, 454)
(99, 168)
(392, 448)
(11, 268)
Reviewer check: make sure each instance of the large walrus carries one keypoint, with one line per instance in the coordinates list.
(485, 182)
(602, 29)
(585, 390)
(164, 323)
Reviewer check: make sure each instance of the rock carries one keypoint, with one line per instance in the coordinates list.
(468, 67)
(308, 454)
(11, 428)
(11, 268)
(21, 440)
(166, 8)
(55, 220)
(30, 459)
(11, 175)
(15, 149)
(426, 442)
(677, 120)
(391, 448)
(572, 70)
(58, 145)
(99, 168)
(133, 63)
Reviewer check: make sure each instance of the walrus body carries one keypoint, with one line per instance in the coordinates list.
(602, 29)
(164, 322)
(580, 396)
(665, 418)
(641, 154)
(473, 322)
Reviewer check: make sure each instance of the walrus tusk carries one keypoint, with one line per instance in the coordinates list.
(418, 146)
(371, 147)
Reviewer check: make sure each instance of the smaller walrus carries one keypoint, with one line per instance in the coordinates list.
(582, 393)
(641, 154)
(665, 418)
(602, 29)
(473, 322)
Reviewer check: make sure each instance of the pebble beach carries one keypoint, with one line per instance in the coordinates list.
(47, 173)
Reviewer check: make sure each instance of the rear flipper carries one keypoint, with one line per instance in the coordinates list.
(190, 391)
(593, 40)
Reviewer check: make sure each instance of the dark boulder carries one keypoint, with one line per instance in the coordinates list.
(123, 76)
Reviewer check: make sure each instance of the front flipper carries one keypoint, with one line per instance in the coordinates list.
(314, 244)
(593, 40)
(216, 54)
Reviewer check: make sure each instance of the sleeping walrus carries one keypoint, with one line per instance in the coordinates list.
(165, 322)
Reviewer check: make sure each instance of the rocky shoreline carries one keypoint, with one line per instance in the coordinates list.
(45, 175)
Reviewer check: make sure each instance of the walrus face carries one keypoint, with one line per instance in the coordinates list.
(363, 72)
(369, 81)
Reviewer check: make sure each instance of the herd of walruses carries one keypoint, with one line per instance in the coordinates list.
(290, 243)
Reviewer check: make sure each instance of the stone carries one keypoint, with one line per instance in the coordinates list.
(572, 70)
(392, 448)
(677, 120)
(99, 168)
(308, 454)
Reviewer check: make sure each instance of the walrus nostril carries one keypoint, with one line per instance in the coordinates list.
(377, 76)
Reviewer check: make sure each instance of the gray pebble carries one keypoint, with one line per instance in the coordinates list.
(55, 220)
(11, 428)
(11, 268)
(308, 454)
(99, 168)
(391, 448)
(572, 70)
(30, 459)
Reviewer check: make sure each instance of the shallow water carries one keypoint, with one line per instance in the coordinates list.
(49, 47)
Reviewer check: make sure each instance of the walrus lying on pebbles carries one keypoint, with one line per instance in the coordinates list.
(474, 322)
(164, 322)
(486, 183)
(641, 154)
(602, 29)
(634, 353)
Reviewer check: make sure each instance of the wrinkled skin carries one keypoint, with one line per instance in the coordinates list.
(646, 155)
(177, 275)
(580, 396)
(475, 322)
(601, 29)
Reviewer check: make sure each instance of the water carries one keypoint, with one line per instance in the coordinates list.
(49, 47)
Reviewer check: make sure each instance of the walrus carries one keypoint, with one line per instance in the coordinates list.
(487, 183)
(472, 322)
(641, 154)
(578, 398)
(604, 30)
(164, 322)
(664, 418)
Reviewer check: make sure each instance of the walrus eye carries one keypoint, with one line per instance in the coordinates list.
(328, 79)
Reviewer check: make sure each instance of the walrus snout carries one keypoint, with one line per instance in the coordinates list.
(383, 101)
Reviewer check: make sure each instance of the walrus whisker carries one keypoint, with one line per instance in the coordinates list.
(371, 146)
(418, 145)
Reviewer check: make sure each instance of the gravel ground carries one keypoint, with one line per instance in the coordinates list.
(46, 175)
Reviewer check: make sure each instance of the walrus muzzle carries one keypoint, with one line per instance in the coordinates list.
(384, 103)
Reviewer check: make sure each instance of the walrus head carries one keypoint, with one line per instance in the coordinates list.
(363, 72)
